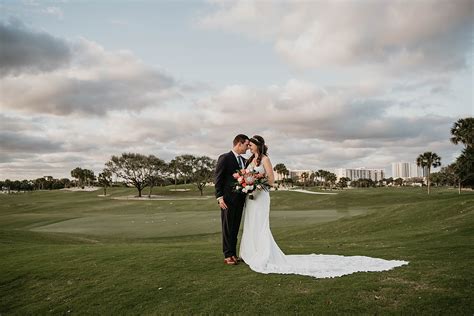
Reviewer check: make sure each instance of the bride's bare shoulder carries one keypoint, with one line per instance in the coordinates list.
(265, 158)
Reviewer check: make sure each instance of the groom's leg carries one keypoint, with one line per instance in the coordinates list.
(226, 233)
(236, 219)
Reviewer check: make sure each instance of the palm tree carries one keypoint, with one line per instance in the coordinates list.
(428, 160)
(331, 178)
(312, 178)
(304, 176)
(463, 132)
(279, 169)
(286, 173)
(325, 176)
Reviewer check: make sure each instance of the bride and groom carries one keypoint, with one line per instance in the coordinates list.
(258, 248)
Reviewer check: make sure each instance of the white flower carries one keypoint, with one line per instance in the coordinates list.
(249, 179)
(244, 190)
(240, 179)
(249, 187)
(237, 187)
(259, 187)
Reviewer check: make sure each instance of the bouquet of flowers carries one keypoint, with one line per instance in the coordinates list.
(249, 180)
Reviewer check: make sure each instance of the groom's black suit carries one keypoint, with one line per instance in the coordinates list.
(226, 166)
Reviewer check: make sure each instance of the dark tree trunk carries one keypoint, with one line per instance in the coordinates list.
(428, 180)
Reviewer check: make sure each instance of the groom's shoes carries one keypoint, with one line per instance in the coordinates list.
(230, 261)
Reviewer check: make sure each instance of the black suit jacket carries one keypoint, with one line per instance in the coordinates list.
(227, 165)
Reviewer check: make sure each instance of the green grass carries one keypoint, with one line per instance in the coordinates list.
(77, 253)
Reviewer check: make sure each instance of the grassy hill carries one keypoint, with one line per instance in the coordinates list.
(78, 253)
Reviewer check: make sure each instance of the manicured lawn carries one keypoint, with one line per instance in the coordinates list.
(77, 253)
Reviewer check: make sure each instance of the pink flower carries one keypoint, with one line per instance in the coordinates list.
(236, 175)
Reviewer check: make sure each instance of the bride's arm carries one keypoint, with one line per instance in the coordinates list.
(267, 165)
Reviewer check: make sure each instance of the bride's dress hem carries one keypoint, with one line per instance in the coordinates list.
(325, 266)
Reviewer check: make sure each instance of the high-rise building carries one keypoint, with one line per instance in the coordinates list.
(360, 173)
(406, 170)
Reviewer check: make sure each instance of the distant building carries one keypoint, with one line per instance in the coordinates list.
(407, 170)
(297, 174)
(360, 173)
(278, 176)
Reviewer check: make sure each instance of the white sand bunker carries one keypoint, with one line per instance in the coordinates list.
(160, 198)
(311, 192)
(79, 189)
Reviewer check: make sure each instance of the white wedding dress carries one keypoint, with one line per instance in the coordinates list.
(259, 250)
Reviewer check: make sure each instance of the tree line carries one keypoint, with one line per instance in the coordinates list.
(45, 183)
(460, 173)
(131, 169)
(143, 171)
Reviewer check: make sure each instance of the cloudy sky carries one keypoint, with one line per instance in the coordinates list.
(328, 84)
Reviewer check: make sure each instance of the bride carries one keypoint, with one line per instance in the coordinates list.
(259, 250)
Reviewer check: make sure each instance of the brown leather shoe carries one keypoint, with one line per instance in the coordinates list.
(230, 261)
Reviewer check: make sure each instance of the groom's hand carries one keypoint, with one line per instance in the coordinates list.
(222, 204)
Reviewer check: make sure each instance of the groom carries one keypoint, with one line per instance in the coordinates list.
(230, 202)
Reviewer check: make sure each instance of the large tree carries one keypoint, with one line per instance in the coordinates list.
(83, 176)
(135, 169)
(428, 160)
(448, 175)
(159, 170)
(463, 132)
(78, 174)
(185, 166)
(173, 169)
(464, 167)
(331, 178)
(88, 176)
(343, 182)
(203, 171)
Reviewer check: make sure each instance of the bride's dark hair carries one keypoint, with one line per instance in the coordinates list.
(261, 147)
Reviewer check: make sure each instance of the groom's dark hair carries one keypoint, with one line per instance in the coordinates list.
(241, 138)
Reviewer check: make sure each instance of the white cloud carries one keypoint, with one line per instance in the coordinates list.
(93, 82)
(54, 11)
(433, 35)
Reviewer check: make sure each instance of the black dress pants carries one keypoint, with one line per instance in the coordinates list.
(230, 219)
